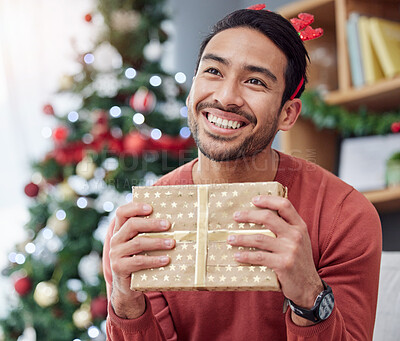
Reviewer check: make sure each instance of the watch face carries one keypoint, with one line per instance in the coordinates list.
(326, 306)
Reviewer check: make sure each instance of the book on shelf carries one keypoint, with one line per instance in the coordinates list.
(371, 64)
(354, 50)
(386, 41)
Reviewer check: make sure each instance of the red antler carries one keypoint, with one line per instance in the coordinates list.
(257, 7)
(302, 26)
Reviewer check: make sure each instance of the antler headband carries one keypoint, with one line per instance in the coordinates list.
(306, 32)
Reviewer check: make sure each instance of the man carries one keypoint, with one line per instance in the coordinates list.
(249, 75)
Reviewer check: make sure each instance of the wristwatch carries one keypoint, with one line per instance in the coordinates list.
(322, 309)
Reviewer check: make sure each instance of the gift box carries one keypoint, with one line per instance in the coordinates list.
(202, 218)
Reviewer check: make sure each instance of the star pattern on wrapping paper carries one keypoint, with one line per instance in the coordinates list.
(219, 270)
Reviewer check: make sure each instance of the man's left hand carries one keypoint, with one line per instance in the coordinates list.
(289, 254)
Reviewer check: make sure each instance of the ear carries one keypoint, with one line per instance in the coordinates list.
(289, 114)
(190, 92)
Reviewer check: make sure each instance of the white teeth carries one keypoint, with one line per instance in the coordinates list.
(223, 123)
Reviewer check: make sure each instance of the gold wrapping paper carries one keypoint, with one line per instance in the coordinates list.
(202, 218)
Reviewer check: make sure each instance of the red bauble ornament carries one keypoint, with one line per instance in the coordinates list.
(98, 307)
(31, 190)
(23, 286)
(135, 143)
(48, 109)
(88, 17)
(60, 134)
(143, 101)
(395, 127)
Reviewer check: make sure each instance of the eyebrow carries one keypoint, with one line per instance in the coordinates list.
(251, 68)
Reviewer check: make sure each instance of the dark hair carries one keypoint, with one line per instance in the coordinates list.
(281, 32)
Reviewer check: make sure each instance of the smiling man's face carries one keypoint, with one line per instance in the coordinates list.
(234, 102)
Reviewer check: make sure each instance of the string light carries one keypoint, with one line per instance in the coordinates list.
(129, 197)
(180, 77)
(184, 111)
(61, 215)
(130, 73)
(184, 132)
(82, 202)
(30, 248)
(155, 81)
(108, 206)
(88, 58)
(73, 116)
(46, 132)
(93, 332)
(156, 134)
(87, 138)
(115, 111)
(138, 118)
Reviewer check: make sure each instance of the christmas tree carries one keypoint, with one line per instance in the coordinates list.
(129, 129)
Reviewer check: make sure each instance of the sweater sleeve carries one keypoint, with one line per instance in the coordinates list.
(155, 324)
(349, 262)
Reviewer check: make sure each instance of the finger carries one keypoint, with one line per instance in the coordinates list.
(132, 209)
(263, 217)
(271, 260)
(282, 205)
(143, 244)
(135, 225)
(126, 266)
(258, 241)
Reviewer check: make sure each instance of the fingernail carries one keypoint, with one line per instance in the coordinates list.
(257, 199)
(237, 255)
(168, 242)
(236, 215)
(146, 208)
(164, 223)
(231, 239)
(164, 259)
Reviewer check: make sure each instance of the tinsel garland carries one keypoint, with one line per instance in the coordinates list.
(346, 123)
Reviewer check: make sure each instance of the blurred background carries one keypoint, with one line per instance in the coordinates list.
(92, 93)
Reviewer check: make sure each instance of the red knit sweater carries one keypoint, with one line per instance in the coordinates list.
(346, 241)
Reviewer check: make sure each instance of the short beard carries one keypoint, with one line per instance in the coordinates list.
(251, 146)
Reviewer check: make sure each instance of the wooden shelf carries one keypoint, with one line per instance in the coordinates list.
(383, 95)
(386, 200)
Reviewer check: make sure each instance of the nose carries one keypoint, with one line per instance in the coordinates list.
(228, 93)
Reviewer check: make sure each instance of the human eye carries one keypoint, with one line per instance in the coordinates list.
(255, 81)
(213, 71)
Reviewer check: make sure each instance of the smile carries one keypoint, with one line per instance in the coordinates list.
(223, 123)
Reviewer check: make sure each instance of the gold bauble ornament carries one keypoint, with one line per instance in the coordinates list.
(59, 227)
(65, 191)
(86, 168)
(46, 294)
(66, 82)
(82, 317)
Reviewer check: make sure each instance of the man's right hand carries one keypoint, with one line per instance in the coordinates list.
(125, 247)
